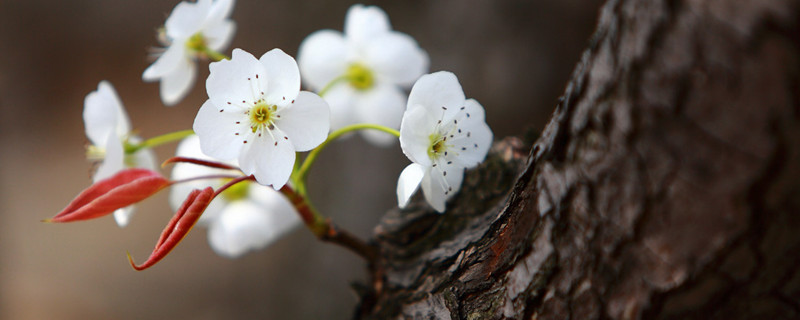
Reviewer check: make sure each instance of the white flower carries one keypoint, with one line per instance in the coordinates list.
(374, 63)
(443, 134)
(245, 217)
(191, 27)
(108, 128)
(255, 111)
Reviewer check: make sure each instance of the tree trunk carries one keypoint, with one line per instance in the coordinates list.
(664, 187)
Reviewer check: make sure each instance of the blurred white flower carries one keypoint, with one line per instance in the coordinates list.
(363, 71)
(443, 135)
(256, 112)
(190, 29)
(245, 217)
(108, 128)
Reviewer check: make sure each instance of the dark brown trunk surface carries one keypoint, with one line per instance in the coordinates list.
(666, 185)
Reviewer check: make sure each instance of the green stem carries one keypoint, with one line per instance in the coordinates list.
(214, 55)
(332, 83)
(303, 171)
(158, 140)
(311, 217)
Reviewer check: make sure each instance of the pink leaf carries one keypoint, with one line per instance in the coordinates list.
(118, 191)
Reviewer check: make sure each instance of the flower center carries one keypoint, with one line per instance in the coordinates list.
(197, 43)
(360, 77)
(237, 191)
(438, 146)
(261, 117)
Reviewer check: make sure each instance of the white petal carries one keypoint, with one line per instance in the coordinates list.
(384, 105)
(322, 57)
(235, 80)
(144, 158)
(475, 109)
(187, 18)
(454, 179)
(103, 114)
(220, 10)
(415, 132)
(217, 131)
(219, 35)
(190, 148)
(408, 183)
(282, 214)
(123, 216)
(166, 63)
(176, 84)
(437, 90)
(306, 122)
(282, 75)
(433, 191)
(114, 159)
(363, 23)
(342, 100)
(270, 162)
(476, 138)
(396, 57)
(439, 184)
(242, 226)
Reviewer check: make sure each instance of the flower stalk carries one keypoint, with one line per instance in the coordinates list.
(332, 83)
(157, 140)
(214, 55)
(300, 175)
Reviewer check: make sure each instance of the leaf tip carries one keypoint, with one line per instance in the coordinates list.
(167, 162)
(133, 264)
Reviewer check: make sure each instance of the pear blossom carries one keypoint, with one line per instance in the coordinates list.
(443, 134)
(363, 71)
(257, 114)
(245, 217)
(108, 129)
(190, 29)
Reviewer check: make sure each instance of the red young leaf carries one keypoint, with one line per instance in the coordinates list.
(118, 191)
(183, 221)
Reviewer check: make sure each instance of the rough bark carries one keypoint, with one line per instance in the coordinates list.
(664, 187)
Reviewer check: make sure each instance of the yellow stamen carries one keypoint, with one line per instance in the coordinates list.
(261, 116)
(197, 43)
(360, 77)
(438, 146)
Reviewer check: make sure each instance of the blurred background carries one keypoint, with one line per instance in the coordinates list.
(514, 56)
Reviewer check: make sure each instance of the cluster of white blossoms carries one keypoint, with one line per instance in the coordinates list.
(363, 71)
(256, 120)
(109, 129)
(191, 30)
